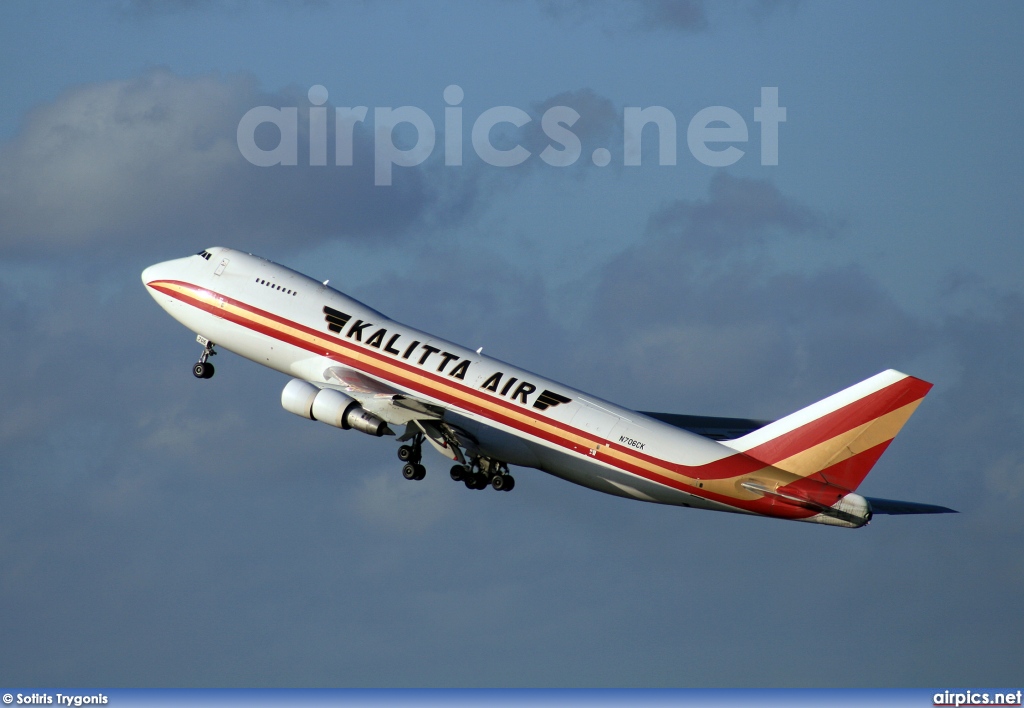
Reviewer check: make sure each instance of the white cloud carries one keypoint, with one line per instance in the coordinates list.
(155, 159)
(115, 157)
(388, 501)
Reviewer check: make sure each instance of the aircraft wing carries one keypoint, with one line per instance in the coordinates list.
(894, 507)
(710, 426)
(382, 400)
(356, 382)
(393, 406)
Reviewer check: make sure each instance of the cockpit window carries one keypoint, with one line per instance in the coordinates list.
(204, 254)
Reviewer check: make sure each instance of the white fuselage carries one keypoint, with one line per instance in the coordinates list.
(276, 317)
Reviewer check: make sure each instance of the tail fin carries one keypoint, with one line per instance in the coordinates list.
(838, 440)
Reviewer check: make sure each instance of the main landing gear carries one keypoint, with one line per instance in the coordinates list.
(479, 474)
(482, 472)
(411, 455)
(204, 369)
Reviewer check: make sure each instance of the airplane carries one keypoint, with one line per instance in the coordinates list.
(353, 368)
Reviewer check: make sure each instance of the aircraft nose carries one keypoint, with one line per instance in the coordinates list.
(158, 271)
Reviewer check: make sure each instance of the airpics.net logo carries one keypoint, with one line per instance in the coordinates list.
(713, 134)
(969, 699)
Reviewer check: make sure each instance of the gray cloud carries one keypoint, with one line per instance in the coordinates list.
(736, 211)
(701, 302)
(168, 531)
(677, 325)
(152, 164)
(598, 125)
(154, 161)
(686, 16)
(139, 9)
(160, 530)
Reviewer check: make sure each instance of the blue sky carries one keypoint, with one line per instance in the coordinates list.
(157, 530)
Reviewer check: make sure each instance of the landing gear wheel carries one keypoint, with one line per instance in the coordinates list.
(458, 473)
(498, 482)
(510, 482)
(406, 453)
(202, 370)
(414, 471)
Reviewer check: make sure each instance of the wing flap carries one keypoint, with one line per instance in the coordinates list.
(357, 382)
(382, 400)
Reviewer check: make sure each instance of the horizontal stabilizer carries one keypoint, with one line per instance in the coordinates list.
(894, 507)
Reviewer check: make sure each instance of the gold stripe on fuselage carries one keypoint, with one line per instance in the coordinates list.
(423, 383)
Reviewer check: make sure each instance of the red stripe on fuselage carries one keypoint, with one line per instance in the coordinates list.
(471, 395)
(476, 402)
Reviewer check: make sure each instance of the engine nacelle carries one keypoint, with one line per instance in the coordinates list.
(330, 406)
(365, 422)
(297, 397)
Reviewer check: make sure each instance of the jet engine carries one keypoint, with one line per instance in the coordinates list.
(330, 406)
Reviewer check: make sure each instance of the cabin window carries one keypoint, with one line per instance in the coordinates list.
(279, 288)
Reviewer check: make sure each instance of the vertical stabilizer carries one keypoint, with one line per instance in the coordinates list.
(838, 439)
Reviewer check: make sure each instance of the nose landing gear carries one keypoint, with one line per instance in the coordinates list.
(203, 369)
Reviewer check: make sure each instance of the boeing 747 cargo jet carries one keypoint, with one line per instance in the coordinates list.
(353, 368)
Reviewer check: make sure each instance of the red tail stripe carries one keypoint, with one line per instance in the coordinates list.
(838, 479)
(850, 416)
(849, 473)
